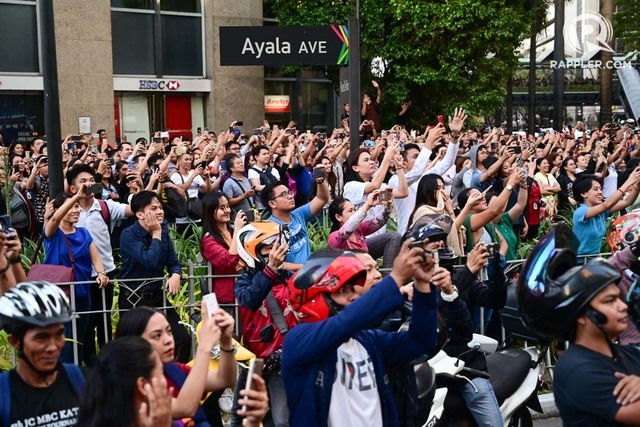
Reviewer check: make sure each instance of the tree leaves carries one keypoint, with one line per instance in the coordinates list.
(442, 53)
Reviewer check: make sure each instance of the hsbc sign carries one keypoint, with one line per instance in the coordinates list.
(159, 85)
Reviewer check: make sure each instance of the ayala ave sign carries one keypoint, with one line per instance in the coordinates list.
(319, 45)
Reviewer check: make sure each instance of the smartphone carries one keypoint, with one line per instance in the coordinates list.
(94, 189)
(76, 137)
(71, 146)
(441, 119)
(257, 132)
(5, 223)
(413, 134)
(157, 140)
(322, 135)
(495, 145)
(516, 149)
(16, 169)
(239, 123)
(211, 303)
(199, 130)
(385, 195)
(94, 149)
(319, 173)
(275, 127)
(203, 165)
(250, 214)
(285, 235)
(27, 154)
(164, 134)
(255, 367)
(400, 146)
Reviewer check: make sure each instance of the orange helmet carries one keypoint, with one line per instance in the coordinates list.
(252, 237)
(324, 273)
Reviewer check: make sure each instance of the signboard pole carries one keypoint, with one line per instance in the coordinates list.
(354, 80)
(51, 99)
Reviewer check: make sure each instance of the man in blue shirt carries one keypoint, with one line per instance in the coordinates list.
(146, 251)
(282, 204)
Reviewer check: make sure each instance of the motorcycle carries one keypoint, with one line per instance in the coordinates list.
(515, 375)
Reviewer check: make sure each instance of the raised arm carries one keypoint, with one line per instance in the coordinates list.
(54, 222)
(496, 208)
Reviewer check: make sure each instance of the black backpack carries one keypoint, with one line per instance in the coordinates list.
(266, 177)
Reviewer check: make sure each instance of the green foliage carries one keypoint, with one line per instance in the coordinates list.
(444, 54)
(6, 352)
(625, 23)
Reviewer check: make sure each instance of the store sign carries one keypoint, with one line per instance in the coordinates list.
(129, 84)
(276, 104)
(159, 85)
(326, 45)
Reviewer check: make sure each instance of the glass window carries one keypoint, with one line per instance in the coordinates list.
(133, 4)
(135, 116)
(315, 99)
(181, 45)
(18, 38)
(180, 5)
(21, 117)
(133, 43)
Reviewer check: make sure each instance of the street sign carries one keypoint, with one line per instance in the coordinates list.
(318, 45)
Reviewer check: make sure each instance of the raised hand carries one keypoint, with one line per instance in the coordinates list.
(455, 124)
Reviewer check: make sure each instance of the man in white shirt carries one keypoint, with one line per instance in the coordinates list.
(262, 173)
(97, 217)
(192, 183)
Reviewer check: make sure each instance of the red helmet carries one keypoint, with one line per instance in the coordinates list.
(324, 273)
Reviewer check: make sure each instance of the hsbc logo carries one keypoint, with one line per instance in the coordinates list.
(159, 85)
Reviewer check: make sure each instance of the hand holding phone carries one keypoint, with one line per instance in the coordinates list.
(385, 195)
(255, 367)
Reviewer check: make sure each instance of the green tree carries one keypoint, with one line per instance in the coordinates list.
(626, 21)
(442, 54)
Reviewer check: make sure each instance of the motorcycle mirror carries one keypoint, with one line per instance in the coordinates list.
(483, 343)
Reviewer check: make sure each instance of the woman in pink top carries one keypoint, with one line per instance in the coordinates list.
(349, 230)
(219, 244)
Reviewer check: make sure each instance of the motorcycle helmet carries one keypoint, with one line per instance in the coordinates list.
(624, 231)
(252, 238)
(432, 227)
(33, 304)
(324, 273)
(553, 291)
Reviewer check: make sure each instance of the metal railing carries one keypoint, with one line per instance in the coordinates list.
(192, 281)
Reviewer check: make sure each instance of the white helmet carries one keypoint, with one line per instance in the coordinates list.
(33, 304)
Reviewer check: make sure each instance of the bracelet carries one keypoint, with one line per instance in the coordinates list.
(622, 191)
(234, 349)
(13, 261)
(5, 268)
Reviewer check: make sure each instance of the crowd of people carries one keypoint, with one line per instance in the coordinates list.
(415, 203)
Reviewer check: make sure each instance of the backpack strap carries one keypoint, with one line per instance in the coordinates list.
(5, 402)
(178, 377)
(75, 376)
(104, 212)
(242, 190)
(276, 313)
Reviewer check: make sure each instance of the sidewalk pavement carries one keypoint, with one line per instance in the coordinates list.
(549, 408)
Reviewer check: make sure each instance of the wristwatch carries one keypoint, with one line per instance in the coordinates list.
(450, 297)
(509, 187)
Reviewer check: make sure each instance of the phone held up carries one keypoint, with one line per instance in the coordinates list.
(285, 235)
(386, 195)
(211, 302)
(255, 367)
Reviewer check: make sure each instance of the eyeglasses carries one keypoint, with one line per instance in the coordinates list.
(287, 193)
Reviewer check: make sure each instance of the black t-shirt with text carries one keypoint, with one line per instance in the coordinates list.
(54, 406)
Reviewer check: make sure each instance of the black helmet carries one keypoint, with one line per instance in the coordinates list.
(434, 228)
(553, 290)
(33, 304)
